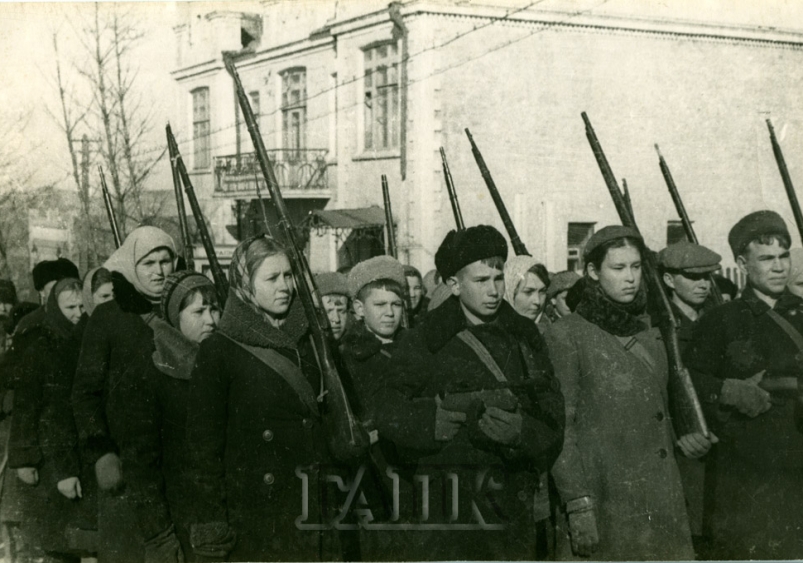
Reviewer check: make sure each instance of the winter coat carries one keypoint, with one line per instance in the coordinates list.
(43, 436)
(432, 360)
(761, 458)
(254, 442)
(619, 445)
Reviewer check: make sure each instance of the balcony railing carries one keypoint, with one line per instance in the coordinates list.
(298, 171)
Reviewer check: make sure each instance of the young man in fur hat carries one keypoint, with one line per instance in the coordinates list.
(471, 397)
(745, 359)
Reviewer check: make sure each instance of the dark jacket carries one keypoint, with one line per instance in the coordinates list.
(430, 360)
(26, 333)
(254, 442)
(757, 458)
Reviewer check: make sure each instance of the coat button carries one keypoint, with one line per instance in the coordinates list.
(268, 478)
(267, 435)
(659, 416)
(662, 453)
(522, 495)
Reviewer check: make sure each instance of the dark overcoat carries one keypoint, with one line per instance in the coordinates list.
(255, 443)
(758, 495)
(497, 485)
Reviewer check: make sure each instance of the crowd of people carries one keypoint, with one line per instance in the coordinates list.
(512, 413)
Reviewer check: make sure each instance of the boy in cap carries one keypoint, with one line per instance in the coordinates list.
(559, 286)
(744, 359)
(471, 396)
(333, 287)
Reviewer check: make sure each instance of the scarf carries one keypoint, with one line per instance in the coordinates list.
(141, 242)
(174, 353)
(614, 318)
(516, 269)
(55, 320)
(242, 323)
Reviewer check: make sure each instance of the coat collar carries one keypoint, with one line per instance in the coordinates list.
(129, 299)
(241, 323)
(443, 323)
(786, 302)
(174, 354)
(361, 343)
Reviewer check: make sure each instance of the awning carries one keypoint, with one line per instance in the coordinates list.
(341, 220)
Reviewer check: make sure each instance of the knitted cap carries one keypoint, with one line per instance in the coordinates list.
(461, 248)
(177, 287)
(373, 269)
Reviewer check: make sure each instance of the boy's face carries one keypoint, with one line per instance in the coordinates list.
(336, 307)
(416, 291)
(381, 311)
(480, 288)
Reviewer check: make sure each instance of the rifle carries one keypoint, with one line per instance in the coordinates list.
(262, 205)
(458, 216)
(716, 294)
(787, 181)
(221, 283)
(107, 200)
(628, 201)
(687, 412)
(405, 321)
(186, 244)
(515, 241)
(347, 439)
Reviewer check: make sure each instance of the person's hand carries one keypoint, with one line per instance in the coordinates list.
(502, 426)
(745, 395)
(447, 423)
(696, 445)
(28, 475)
(164, 548)
(109, 472)
(70, 487)
(583, 532)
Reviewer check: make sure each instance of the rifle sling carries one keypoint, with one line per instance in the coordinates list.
(796, 338)
(286, 369)
(485, 356)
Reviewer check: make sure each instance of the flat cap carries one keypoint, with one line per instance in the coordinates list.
(689, 257)
(752, 226)
(47, 271)
(461, 248)
(561, 281)
(607, 234)
(332, 283)
(373, 269)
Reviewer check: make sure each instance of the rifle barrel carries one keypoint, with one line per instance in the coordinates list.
(515, 241)
(447, 174)
(391, 234)
(186, 242)
(787, 180)
(107, 200)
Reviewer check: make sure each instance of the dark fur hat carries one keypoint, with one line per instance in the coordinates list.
(461, 248)
(47, 271)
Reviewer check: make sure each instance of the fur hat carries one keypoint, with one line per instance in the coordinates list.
(332, 283)
(461, 248)
(47, 271)
(373, 269)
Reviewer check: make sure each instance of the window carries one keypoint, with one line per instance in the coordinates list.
(674, 232)
(578, 236)
(294, 110)
(200, 128)
(382, 97)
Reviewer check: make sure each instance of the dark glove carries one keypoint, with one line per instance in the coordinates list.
(583, 531)
(745, 395)
(501, 426)
(447, 423)
(109, 472)
(212, 540)
(164, 548)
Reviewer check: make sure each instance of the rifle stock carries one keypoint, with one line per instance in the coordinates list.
(687, 413)
(515, 241)
(107, 201)
(787, 180)
(221, 283)
(186, 243)
(347, 437)
(447, 175)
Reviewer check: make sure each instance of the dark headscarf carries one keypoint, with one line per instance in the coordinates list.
(55, 319)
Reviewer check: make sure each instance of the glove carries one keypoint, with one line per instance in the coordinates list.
(28, 475)
(164, 548)
(583, 532)
(109, 472)
(501, 426)
(70, 487)
(745, 395)
(447, 423)
(696, 445)
(212, 540)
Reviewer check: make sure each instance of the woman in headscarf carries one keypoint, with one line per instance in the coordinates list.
(526, 282)
(116, 350)
(157, 461)
(254, 427)
(44, 444)
(620, 490)
(98, 288)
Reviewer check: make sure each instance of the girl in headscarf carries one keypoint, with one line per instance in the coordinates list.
(157, 459)
(254, 422)
(98, 288)
(526, 282)
(116, 351)
(44, 444)
(621, 496)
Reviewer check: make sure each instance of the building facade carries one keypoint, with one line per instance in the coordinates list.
(347, 92)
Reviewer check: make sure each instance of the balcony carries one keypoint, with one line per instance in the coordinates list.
(301, 173)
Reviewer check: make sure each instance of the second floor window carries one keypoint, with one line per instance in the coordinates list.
(202, 157)
(382, 97)
(294, 109)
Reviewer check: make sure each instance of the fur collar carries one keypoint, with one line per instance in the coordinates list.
(619, 320)
(243, 324)
(129, 299)
(443, 323)
(174, 354)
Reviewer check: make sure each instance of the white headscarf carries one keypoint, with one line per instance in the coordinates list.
(516, 269)
(141, 242)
